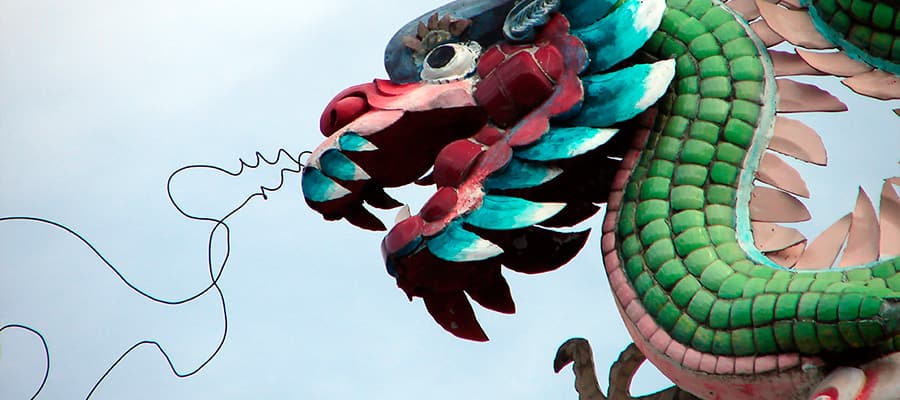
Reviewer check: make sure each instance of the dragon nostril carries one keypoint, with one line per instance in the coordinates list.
(342, 112)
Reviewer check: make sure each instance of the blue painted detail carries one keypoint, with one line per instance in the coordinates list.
(559, 143)
(623, 94)
(581, 13)
(518, 174)
(350, 141)
(618, 35)
(320, 188)
(336, 165)
(456, 244)
(526, 17)
(504, 213)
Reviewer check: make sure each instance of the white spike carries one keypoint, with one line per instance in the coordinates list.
(822, 252)
(889, 220)
(774, 171)
(795, 139)
(862, 242)
(772, 205)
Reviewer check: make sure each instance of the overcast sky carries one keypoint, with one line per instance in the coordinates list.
(101, 100)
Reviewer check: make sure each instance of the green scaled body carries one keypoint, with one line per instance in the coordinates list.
(679, 224)
(866, 30)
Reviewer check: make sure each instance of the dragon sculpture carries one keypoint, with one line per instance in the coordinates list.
(527, 115)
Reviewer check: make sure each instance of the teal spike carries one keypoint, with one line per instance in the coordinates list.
(456, 244)
(350, 141)
(559, 143)
(505, 213)
(320, 188)
(336, 165)
(519, 174)
(621, 33)
(620, 95)
(582, 13)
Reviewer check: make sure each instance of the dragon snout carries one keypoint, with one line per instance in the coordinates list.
(341, 111)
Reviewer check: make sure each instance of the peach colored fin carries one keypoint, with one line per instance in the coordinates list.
(796, 139)
(792, 4)
(878, 84)
(862, 242)
(897, 111)
(889, 220)
(768, 236)
(837, 63)
(787, 257)
(801, 97)
(746, 8)
(822, 252)
(791, 64)
(765, 33)
(794, 25)
(774, 171)
(772, 205)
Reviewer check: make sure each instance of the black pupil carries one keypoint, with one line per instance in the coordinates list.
(440, 56)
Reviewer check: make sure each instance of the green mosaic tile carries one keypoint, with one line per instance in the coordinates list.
(704, 46)
(805, 337)
(686, 68)
(650, 210)
(724, 173)
(742, 342)
(671, 47)
(761, 271)
(800, 284)
(729, 31)
(715, 274)
(751, 91)
(747, 112)
(741, 315)
(690, 240)
(893, 281)
(661, 168)
(676, 126)
(683, 220)
(786, 306)
(631, 246)
(827, 308)
(643, 283)
(869, 307)
(738, 131)
(697, 152)
(717, 214)
(713, 66)
(745, 68)
(625, 225)
(684, 290)
(686, 197)
(655, 188)
(778, 285)
(690, 30)
(851, 335)
(658, 253)
(721, 194)
(686, 106)
(720, 314)
(701, 305)
(713, 109)
(871, 332)
(809, 302)
(764, 339)
(743, 266)
(703, 339)
(753, 287)
(882, 16)
(719, 87)
(730, 153)
(634, 266)
(667, 317)
(689, 85)
(733, 286)
(841, 23)
(670, 273)
(715, 17)
(739, 49)
(731, 252)
(720, 234)
(721, 343)
(667, 148)
(704, 130)
(690, 174)
(697, 261)
(654, 300)
(684, 329)
(860, 35)
(830, 338)
(880, 44)
(764, 309)
(673, 18)
(698, 8)
(656, 230)
(862, 10)
(784, 335)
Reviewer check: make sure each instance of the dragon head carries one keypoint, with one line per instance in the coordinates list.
(513, 109)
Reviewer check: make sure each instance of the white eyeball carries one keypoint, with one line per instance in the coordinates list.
(450, 62)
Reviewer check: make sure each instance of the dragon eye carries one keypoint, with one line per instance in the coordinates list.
(450, 62)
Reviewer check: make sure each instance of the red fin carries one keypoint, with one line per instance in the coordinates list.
(492, 292)
(453, 312)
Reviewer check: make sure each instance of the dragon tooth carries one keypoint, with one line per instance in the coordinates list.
(336, 165)
(774, 171)
(505, 213)
(519, 174)
(320, 188)
(796, 139)
(456, 244)
(862, 241)
(352, 142)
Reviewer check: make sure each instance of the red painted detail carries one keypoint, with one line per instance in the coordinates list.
(402, 234)
(342, 112)
(551, 61)
(490, 60)
(496, 157)
(440, 204)
(387, 88)
(830, 393)
(453, 163)
(346, 106)
(513, 88)
(488, 135)
(869, 387)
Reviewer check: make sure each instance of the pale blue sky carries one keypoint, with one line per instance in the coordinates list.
(101, 100)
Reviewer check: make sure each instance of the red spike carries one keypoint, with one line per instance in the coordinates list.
(453, 312)
(492, 292)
